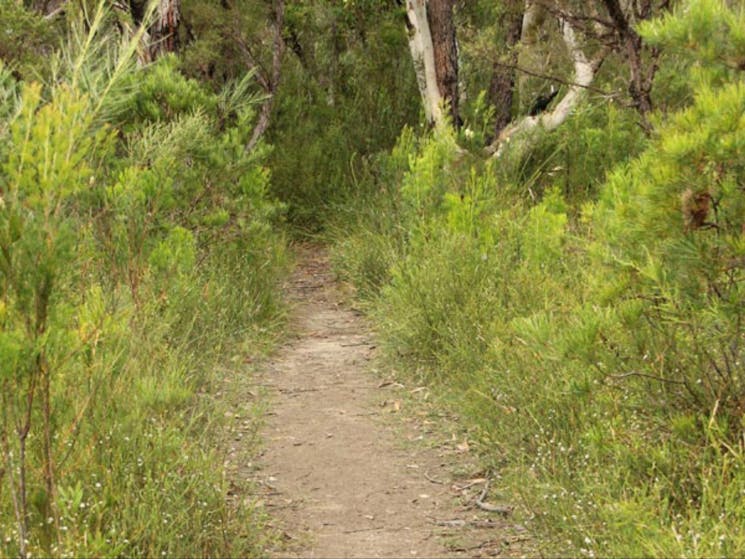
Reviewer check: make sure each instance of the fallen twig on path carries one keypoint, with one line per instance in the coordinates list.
(471, 483)
(488, 507)
(433, 480)
(461, 523)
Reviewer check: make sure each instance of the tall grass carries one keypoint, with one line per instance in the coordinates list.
(585, 327)
(137, 256)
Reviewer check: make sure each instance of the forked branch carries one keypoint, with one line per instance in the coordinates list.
(584, 74)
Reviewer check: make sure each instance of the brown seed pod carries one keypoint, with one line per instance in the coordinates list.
(695, 207)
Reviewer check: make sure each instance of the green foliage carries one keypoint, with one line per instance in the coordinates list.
(576, 156)
(327, 115)
(215, 35)
(581, 307)
(27, 38)
(672, 226)
(165, 94)
(136, 250)
(423, 188)
(708, 34)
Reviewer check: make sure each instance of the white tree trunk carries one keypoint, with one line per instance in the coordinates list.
(584, 73)
(422, 53)
(533, 17)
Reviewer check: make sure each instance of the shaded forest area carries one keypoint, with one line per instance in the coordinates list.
(541, 206)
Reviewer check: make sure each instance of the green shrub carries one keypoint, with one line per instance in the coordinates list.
(590, 333)
(137, 255)
(27, 38)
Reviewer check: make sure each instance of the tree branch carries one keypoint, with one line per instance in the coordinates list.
(556, 79)
(273, 82)
(584, 74)
(253, 64)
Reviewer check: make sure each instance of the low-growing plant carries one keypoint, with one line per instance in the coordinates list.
(136, 256)
(590, 334)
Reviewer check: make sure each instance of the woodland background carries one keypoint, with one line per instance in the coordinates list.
(540, 204)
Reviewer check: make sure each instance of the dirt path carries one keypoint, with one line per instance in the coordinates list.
(339, 477)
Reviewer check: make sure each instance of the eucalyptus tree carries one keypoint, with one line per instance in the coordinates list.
(434, 51)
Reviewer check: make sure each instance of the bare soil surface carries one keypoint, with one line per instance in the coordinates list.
(346, 471)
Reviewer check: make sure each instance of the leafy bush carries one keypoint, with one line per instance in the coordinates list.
(135, 253)
(591, 335)
(27, 38)
(327, 116)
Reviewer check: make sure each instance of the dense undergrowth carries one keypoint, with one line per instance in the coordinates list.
(580, 306)
(347, 93)
(138, 253)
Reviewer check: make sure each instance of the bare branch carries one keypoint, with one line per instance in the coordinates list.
(252, 63)
(584, 74)
(272, 83)
(644, 375)
(556, 79)
(59, 10)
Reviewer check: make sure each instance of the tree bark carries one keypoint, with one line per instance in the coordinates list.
(434, 52)
(422, 54)
(445, 51)
(640, 86)
(161, 36)
(584, 74)
(270, 83)
(164, 31)
(502, 85)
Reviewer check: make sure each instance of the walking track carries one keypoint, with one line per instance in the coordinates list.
(346, 473)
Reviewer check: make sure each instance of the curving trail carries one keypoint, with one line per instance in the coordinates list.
(340, 478)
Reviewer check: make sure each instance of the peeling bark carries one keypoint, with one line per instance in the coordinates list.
(161, 36)
(164, 31)
(422, 53)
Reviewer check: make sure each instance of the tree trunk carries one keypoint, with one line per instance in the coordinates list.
(270, 83)
(445, 50)
(164, 31)
(434, 52)
(502, 85)
(518, 134)
(422, 54)
(642, 79)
